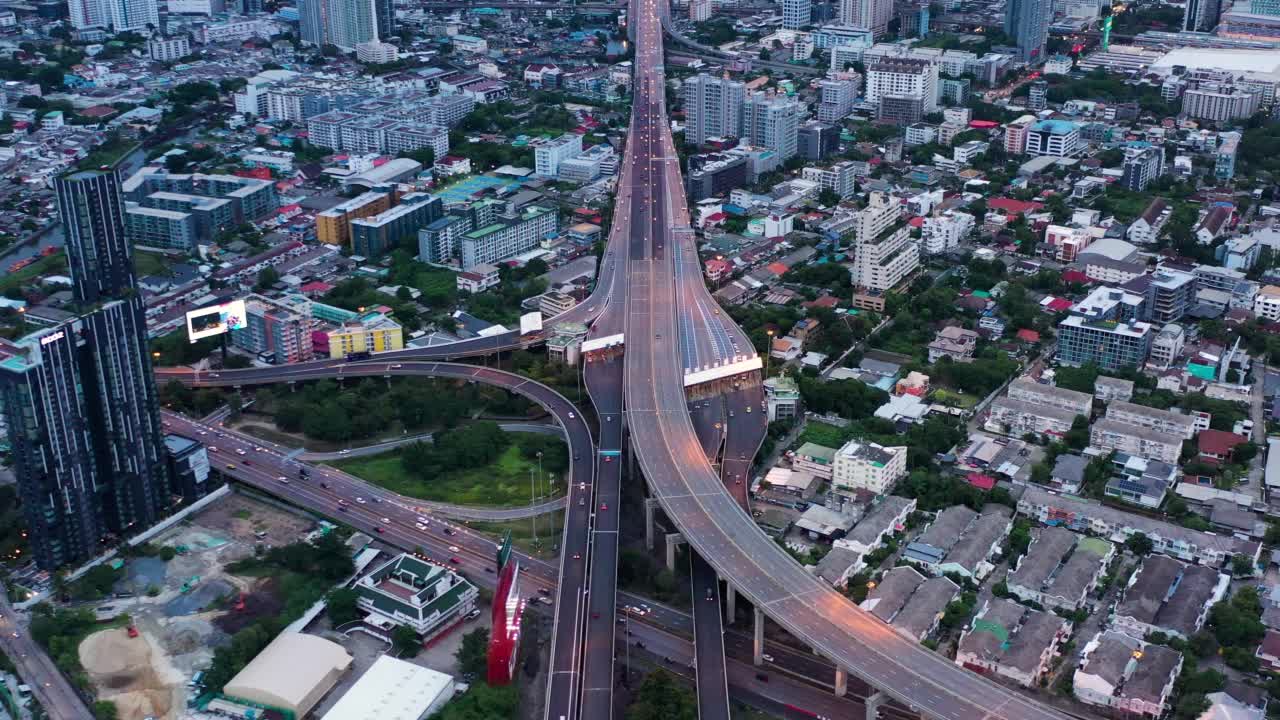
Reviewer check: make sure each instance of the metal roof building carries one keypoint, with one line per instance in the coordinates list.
(292, 673)
(393, 689)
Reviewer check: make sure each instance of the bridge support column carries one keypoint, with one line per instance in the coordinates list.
(873, 703)
(842, 682)
(757, 642)
(730, 603)
(650, 509)
(674, 540)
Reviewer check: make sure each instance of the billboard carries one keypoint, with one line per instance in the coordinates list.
(215, 320)
(530, 323)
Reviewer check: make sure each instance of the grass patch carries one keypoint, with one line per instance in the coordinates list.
(823, 434)
(243, 514)
(43, 266)
(150, 263)
(954, 398)
(550, 530)
(502, 483)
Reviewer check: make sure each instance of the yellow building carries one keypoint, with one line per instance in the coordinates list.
(333, 226)
(374, 332)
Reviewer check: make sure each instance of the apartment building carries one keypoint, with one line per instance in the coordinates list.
(1058, 138)
(1219, 104)
(1018, 417)
(333, 226)
(275, 331)
(1165, 421)
(371, 332)
(547, 156)
(941, 233)
(1170, 295)
(712, 107)
(1028, 390)
(884, 251)
(901, 77)
(509, 234)
(373, 236)
(1015, 134)
(836, 97)
(1167, 346)
(1111, 434)
(164, 229)
(841, 178)
(772, 121)
(1266, 304)
(1108, 344)
(868, 466)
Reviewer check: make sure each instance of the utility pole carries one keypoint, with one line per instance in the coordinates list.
(533, 517)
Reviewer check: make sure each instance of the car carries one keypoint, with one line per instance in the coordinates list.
(386, 521)
(397, 366)
(241, 451)
(378, 529)
(324, 484)
(710, 595)
(213, 448)
(767, 657)
(360, 500)
(231, 466)
(284, 481)
(450, 532)
(608, 458)
(343, 503)
(454, 548)
(570, 414)
(762, 677)
(543, 591)
(377, 499)
(423, 520)
(282, 478)
(748, 409)
(420, 526)
(577, 556)
(15, 634)
(604, 506)
(248, 462)
(455, 561)
(595, 615)
(582, 502)
(260, 449)
(488, 569)
(344, 451)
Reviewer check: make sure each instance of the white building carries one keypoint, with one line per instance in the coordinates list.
(885, 252)
(163, 49)
(904, 77)
(548, 156)
(712, 108)
(772, 122)
(840, 178)
(376, 52)
(940, 233)
(868, 466)
(1266, 304)
(134, 15)
(1058, 138)
(394, 689)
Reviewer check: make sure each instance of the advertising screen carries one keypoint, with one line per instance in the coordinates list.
(215, 320)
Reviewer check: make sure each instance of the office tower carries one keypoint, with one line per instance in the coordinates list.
(816, 141)
(134, 15)
(99, 254)
(772, 122)
(1201, 15)
(796, 13)
(1038, 99)
(712, 108)
(873, 15)
(699, 10)
(350, 22)
(1027, 22)
(85, 14)
(79, 398)
(311, 21)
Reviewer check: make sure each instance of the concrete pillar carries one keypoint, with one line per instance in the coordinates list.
(674, 540)
(650, 508)
(757, 643)
(842, 682)
(730, 603)
(873, 703)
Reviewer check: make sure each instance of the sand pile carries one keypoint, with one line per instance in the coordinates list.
(125, 671)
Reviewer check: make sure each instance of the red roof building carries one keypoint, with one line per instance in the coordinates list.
(1028, 336)
(980, 481)
(1012, 207)
(1218, 444)
(1075, 276)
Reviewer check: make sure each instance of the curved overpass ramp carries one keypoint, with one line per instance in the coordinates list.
(677, 469)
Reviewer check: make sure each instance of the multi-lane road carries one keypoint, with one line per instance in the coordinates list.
(49, 686)
(677, 469)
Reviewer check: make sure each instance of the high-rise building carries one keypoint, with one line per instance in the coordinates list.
(907, 78)
(712, 108)
(1027, 22)
(1201, 15)
(796, 13)
(134, 15)
(874, 15)
(385, 12)
(772, 121)
(350, 22)
(884, 252)
(1142, 164)
(85, 14)
(699, 10)
(815, 140)
(548, 156)
(79, 398)
(1224, 166)
(91, 206)
(1038, 97)
(311, 21)
(836, 97)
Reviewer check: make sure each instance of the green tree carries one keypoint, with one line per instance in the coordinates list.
(1139, 544)
(343, 607)
(405, 641)
(267, 277)
(105, 710)
(473, 652)
(662, 697)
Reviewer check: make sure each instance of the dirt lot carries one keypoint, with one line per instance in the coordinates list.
(141, 682)
(179, 631)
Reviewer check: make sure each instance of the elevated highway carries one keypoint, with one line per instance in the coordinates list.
(693, 495)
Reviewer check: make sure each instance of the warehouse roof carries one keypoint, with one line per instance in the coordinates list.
(291, 673)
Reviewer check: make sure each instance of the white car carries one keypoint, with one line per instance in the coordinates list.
(360, 500)
(241, 451)
(454, 548)
(344, 451)
(386, 521)
(420, 526)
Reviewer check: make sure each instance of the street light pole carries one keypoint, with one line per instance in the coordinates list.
(627, 641)
(533, 516)
(542, 479)
(767, 352)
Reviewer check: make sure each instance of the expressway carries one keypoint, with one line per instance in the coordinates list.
(692, 493)
(51, 688)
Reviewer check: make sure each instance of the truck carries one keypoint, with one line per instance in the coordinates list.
(359, 355)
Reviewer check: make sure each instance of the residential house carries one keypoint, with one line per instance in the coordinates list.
(909, 602)
(1168, 596)
(1139, 480)
(815, 459)
(1059, 569)
(868, 466)
(1012, 641)
(1133, 678)
(954, 342)
(961, 541)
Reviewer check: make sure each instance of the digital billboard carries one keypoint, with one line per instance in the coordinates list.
(215, 320)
